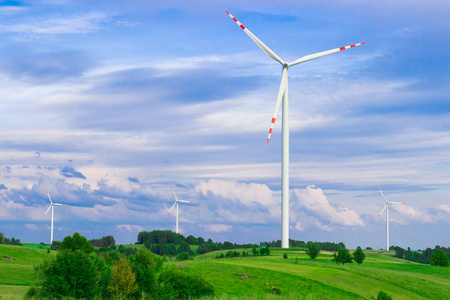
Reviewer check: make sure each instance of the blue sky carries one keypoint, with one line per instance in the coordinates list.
(104, 103)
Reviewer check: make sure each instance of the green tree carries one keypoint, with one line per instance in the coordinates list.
(146, 266)
(439, 258)
(76, 242)
(312, 250)
(359, 255)
(123, 281)
(342, 256)
(73, 274)
(2, 237)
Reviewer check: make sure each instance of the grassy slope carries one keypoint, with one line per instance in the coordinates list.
(300, 276)
(17, 275)
(297, 277)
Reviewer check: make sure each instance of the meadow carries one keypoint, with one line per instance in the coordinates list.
(270, 277)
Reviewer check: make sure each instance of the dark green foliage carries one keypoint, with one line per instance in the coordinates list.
(439, 258)
(359, 255)
(55, 245)
(186, 286)
(7, 241)
(232, 253)
(369, 248)
(264, 251)
(423, 257)
(72, 274)
(342, 256)
(76, 242)
(255, 251)
(191, 240)
(105, 241)
(146, 267)
(328, 246)
(184, 247)
(383, 296)
(159, 236)
(182, 256)
(285, 255)
(312, 250)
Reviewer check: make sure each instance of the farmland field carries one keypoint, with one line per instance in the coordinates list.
(270, 277)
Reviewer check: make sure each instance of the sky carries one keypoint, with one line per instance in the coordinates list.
(105, 103)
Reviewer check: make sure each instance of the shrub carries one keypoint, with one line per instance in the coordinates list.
(439, 258)
(186, 286)
(285, 255)
(383, 296)
(182, 256)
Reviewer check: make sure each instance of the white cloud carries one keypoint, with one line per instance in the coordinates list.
(58, 25)
(248, 194)
(130, 228)
(313, 200)
(216, 227)
(31, 227)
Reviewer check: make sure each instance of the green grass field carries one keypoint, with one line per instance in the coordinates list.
(17, 268)
(251, 278)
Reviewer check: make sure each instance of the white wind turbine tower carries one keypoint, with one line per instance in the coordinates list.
(176, 203)
(52, 205)
(283, 94)
(386, 207)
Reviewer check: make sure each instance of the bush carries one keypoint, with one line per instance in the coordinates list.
(182, 256)
(285, 255)
(439, 258)
(383, 296)
(186, 286)
(342, 256)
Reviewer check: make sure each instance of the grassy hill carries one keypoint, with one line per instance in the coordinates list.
(17, 268)
(258, 277)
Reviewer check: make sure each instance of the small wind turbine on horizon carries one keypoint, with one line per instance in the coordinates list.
(386, 207)
(176, 203)
(52, 205)
(283, 95)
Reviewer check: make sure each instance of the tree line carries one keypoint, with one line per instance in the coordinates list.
(427, 256)
(7, 241)
(326, 246)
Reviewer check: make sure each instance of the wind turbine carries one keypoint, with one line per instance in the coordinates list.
(52, 205)
(386, 207)
(176, 203)
(283, 94)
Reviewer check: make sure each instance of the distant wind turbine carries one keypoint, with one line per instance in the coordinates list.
(52, 208)
(386, 207)
(176, 203)
(283, 94)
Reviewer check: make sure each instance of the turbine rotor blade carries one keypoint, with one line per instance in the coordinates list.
(173, 193)
(49, 196)
(382, 194)
(170, 209)
(281, 92)
(185, 201)
(379, 215)
(47, 211)
(320, 54)
(257, 41)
